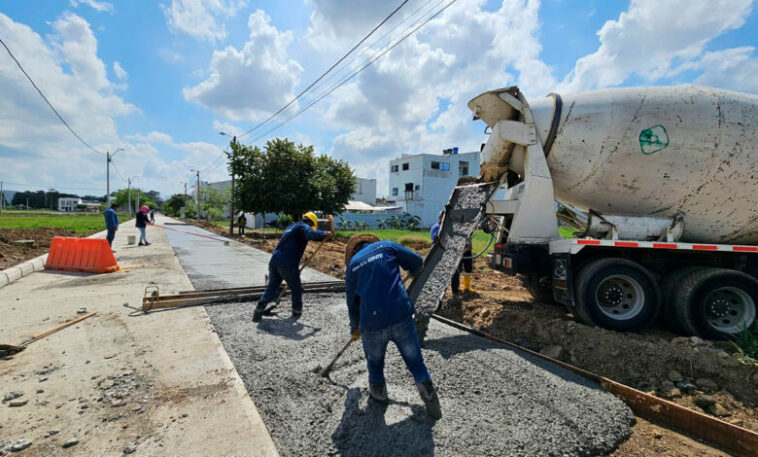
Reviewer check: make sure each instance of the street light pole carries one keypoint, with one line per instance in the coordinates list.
(129, 195)
(109, 157)
(197, 194)
(231, 196)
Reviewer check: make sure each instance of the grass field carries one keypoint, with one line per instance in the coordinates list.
(81, 223)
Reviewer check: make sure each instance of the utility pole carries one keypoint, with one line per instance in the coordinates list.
(197, 195)
(231, 196)
(2, 197)
(109, 158)
(129, 195)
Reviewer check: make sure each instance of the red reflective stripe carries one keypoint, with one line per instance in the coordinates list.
(664, 245)
(626, 244)
(745, 248)
(592, 242)
(499, 246)
(705, 247)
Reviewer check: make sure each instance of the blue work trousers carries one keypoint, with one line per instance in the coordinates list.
(290, 274)
(142, 235)
(405, 337)
(110, 236)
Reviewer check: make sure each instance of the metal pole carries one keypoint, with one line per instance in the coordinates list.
(231, 197)
(185, 191)
(2, 197)
(129, 195)
(108, 179)
(197, 195)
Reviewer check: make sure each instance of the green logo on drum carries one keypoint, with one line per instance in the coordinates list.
(653, 139)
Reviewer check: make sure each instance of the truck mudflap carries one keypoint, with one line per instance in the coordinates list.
(462, 215)
(563, 282)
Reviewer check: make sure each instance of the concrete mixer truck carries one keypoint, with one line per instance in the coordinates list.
(668, 178)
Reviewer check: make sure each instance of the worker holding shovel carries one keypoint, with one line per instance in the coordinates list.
(381, 311)
(285, 262)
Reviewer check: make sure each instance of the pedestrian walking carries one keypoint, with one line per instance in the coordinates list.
(111, 223)
(380, 311)
(152, 216)
(141, 224)
(241, 223)
(285, 264)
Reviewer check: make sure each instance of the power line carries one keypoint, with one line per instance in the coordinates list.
(355, 73)
(118, 172)
(46, 100)
(297, 97)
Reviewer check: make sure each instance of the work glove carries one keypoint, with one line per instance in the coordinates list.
(355, 334)
(328, 236)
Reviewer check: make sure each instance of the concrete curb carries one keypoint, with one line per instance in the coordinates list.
(23, 269)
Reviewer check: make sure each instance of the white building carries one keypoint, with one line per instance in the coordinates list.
(68, 204)
(422, 183)
(365, 191)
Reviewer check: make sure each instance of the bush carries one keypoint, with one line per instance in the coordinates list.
(746, 342)
(414, 241)
(283, 220)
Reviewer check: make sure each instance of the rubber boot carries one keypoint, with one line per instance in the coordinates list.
(378, 392)
(467, 282)
(258, 313)
(297, 311)
(430, 399)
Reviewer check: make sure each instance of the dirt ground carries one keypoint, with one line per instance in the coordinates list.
(12, 254)
(688, 371)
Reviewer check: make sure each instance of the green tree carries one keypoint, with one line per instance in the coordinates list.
(173, 205)
(121, 197)
(213, 202)
(289, 178)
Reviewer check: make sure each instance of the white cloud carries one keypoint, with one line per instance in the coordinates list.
(227, 128)
(119, 71)
(152, 137)
(97, 5)
(67, 69)
(201, 18)
(254, 81)
(652, 38)
(734, 69)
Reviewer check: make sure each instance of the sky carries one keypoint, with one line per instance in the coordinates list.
(157, 81)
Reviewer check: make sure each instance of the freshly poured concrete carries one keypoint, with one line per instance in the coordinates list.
(495, 401)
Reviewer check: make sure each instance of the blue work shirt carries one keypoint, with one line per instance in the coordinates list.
(376, 297)
(433, 232)
(290, 249)
(111, 219)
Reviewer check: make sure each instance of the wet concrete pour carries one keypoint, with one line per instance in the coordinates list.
(495, 401)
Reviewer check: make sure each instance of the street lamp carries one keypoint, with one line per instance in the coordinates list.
(231, 196)
(129, 192)
(197, 194)
(109, 155)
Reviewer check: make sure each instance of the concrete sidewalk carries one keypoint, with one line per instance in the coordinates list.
(161, 384)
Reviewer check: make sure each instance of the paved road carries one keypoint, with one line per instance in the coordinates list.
(496, 401)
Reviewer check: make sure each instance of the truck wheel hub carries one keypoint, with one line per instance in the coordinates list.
(620, 297)
(729, 310)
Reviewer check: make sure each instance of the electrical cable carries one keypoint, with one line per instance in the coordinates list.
(297, 97)
(351, 76)
(46, 100)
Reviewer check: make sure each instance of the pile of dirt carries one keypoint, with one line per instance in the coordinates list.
(12, 254)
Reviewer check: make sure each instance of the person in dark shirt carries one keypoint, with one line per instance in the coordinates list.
(141, 224)
(111, 223)
(380, 311)
(241, 223)
(285, 264)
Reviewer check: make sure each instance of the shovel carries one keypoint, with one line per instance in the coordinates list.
(10, 349)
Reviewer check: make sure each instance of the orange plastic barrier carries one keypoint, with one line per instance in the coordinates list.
(90, 255)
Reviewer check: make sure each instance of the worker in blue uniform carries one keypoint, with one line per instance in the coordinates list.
(380, 311)
(285, 264)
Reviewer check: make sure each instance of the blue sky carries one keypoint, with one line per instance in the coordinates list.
(160, 79)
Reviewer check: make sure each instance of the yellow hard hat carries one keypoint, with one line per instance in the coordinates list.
(312, 217)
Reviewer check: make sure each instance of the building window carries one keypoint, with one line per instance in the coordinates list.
(418, 187)
(440, 166)
(393, 168)
(394, 191)
(463, 168)
(409, 191)
(406, 166)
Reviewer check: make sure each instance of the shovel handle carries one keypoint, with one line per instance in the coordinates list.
(328, 368)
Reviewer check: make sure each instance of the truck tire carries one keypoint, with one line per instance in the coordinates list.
(617, 294)
(539, 291)
(670, 285)
(716, 303)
